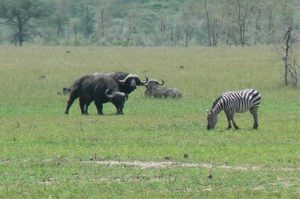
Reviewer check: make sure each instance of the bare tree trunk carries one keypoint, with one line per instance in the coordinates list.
(102, 22)
(257, 26)
(186, 38)
(242, 17)
(172, 35)
(162, 25)
(287, 38)
(215, 32)
(19, 36)
(208, 24)
(87, 18)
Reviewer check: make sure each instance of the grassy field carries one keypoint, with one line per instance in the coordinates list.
(158, 148)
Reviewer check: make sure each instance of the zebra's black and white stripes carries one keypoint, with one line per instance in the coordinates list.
(235, 102)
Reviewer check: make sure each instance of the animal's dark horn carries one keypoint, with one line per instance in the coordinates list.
(107, 95)
(162, 82)
(128, 76)
(145, 81)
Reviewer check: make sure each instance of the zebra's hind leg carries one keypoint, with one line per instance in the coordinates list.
(234, 124)
(253, 111)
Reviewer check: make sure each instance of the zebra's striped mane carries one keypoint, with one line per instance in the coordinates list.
(215, 102)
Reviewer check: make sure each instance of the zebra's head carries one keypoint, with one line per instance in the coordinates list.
(211, 120)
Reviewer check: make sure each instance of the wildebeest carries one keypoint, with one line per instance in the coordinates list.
(156, 89)
(98, 88)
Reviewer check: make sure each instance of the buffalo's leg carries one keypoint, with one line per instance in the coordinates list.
(87, 106)
(120, 111)
(72, 98)
(99, 107)
(82, 103)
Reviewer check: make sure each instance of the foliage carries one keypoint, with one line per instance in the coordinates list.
(21, 14)
(169, 23)
(46, 154)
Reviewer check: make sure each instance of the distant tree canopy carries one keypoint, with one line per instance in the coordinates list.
(20, 13)
(147, 22)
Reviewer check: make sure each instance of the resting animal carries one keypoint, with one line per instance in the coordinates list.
(156, 89)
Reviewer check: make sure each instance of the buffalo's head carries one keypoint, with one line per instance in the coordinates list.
(118, 99)
(130, 82)
(153, 82)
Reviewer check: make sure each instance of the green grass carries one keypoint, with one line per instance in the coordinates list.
(46, 154)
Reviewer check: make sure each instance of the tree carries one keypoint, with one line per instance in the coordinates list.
(213, 22)
(60, 17)
(20, 13)
(89, 19)
(290, 65)
(75, 24)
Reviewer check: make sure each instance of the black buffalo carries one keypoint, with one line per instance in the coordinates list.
(76, 86)
(156, 89)
(127, 82)
(98, 88)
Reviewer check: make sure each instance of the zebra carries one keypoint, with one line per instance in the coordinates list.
(234, 102)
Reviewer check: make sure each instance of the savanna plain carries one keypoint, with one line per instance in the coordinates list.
(159, 148)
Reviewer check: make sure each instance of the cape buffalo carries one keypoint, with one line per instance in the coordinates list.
(156, 89)
(127, 82)
(98, 88)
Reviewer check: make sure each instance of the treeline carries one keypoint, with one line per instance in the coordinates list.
(147, 22)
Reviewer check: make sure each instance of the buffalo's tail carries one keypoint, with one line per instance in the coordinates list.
(66, 90)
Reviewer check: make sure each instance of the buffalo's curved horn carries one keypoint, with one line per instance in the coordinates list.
(107, 95)
(128, 76)
(162, 82)
(145, 81)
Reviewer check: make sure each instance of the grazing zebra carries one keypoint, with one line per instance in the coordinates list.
(234, 102)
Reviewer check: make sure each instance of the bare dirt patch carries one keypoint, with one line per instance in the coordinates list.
(173, 164)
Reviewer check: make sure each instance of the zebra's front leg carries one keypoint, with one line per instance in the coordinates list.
(228, 119)
(233, 122)
(230, 116)
(254, 114)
